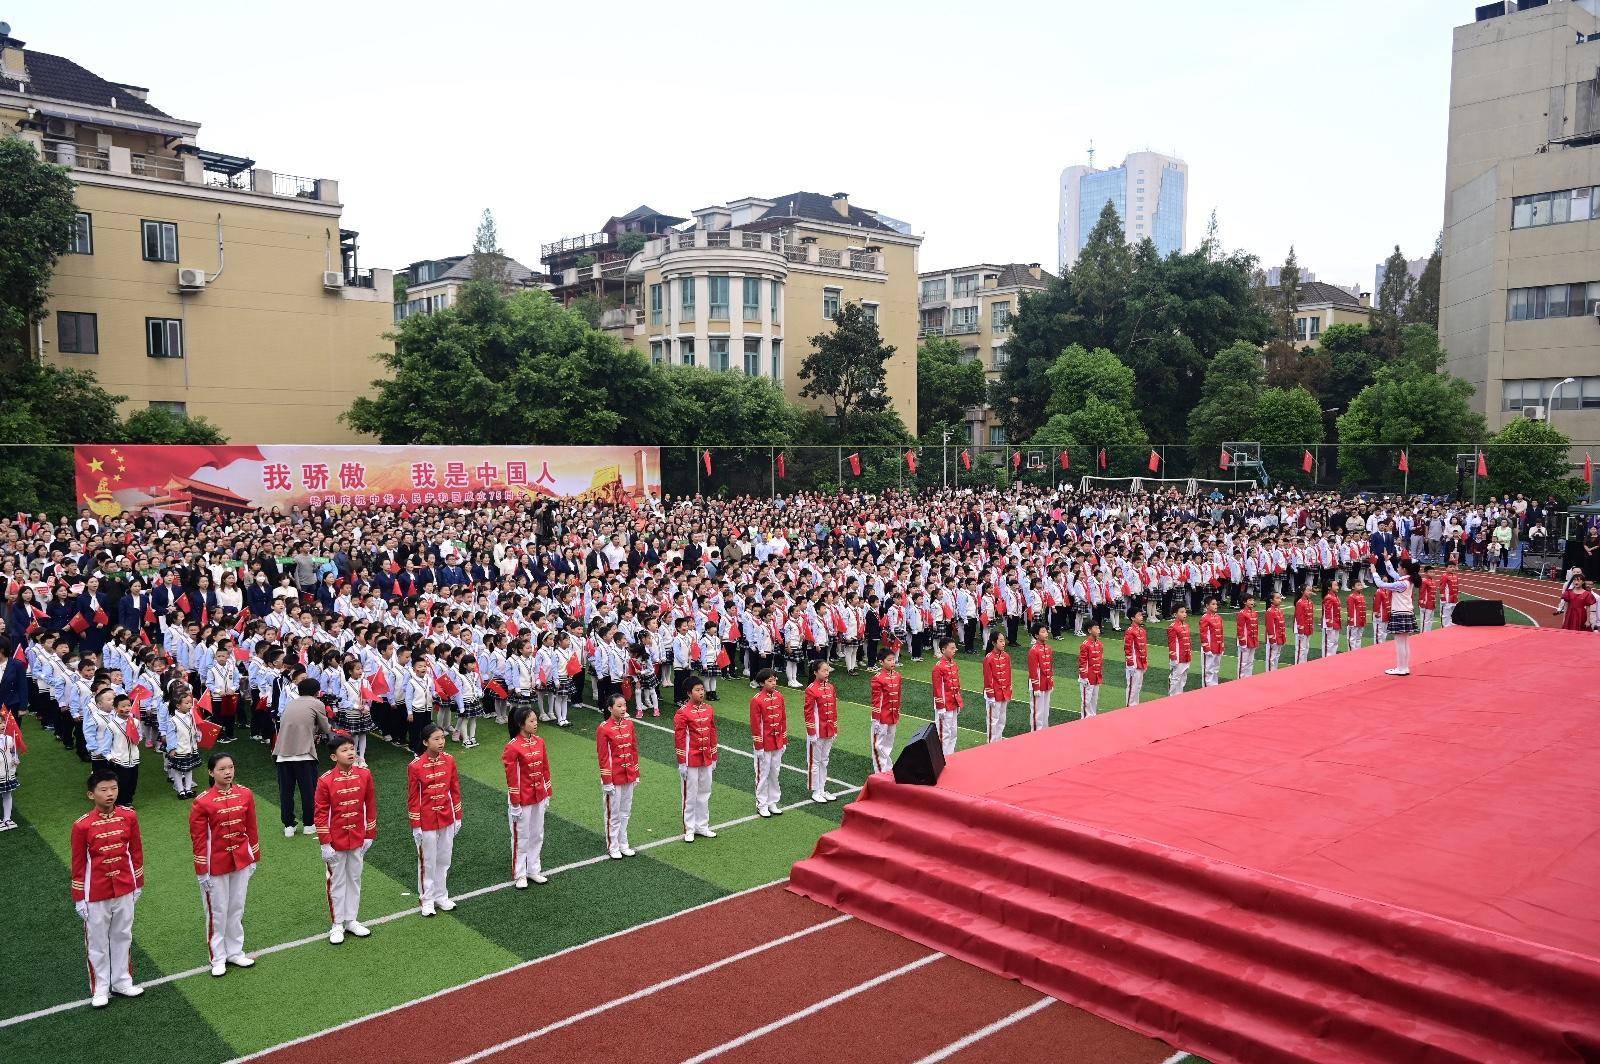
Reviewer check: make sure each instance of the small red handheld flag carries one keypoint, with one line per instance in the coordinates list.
(183, 602)
(1405, 463)
(1307, 461)
(1483, 465)
(781, 471)
(1588, 468)
(574, 666)
(445, 687)
(705, 458)
(1222, 463)
(1155, 462)
(1016, 460)
(966, 460)
(79, 623)
(1102, 458)
(911, 462)
(1066, 461)
(149, 614)
(855, 464)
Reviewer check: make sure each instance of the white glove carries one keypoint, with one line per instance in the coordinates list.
(455, 829)
(515, 808)
(327, 853)
(365, 846)
(416, 836)
(683, 770)
(205, 881)
(607, 788)
(137, 891)
(82, 908)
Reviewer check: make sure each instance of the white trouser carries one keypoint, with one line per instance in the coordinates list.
(1088, 698)
(1447, 612)
(769, 784)
(818, 751)
(1274, 654)
(107, 937)
(1426, 617)
(527, 838)
(1380, 630)
(1302, 648)
(344, 885)
(433, 863)
(618, 807)
(1352, 635)
(1178, 678)
(1039, 709)
(882, 746)
(1210, 668)
(1330, 641)
(850, 650)
(697, 798)
(1135, 684)
(995, 716)
(945, 721)
(223, 898)
(1247, 661)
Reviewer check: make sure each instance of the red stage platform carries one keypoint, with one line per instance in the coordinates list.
(1319, 864)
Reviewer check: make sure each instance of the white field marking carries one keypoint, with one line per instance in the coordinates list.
(308, 940)
(654, 988)
(810, 1010)
(984, 1032)
(1178, 1057)
(741, 753)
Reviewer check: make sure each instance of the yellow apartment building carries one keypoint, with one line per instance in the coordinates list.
(197, 281)
(1319, 306)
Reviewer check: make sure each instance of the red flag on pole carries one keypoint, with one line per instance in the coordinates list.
(1222, 463)
(1066, 462)
(1155, 462)
(1588, 468)
(855, 464)
(911, 462)
(1483, 466)
(1102, 458)
(705, 458)
(1016, 461)
(1405, 464)
(781, 472)
(1307, 461)
(966, 460)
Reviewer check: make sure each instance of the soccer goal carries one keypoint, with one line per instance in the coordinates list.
(1187, 485)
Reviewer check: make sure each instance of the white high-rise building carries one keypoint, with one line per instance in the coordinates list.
(1150, 192)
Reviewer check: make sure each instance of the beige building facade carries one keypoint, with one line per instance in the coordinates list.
(747, 287)
(974, 306)
(197, 281)
(1319, 306)
(1520, 285)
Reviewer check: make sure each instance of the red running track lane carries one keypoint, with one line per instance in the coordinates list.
(1535, 599)
(782, 976)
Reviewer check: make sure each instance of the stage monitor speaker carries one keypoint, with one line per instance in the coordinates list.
(1480, 613)
(922, 760)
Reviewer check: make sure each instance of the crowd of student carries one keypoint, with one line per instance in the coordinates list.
(182, 634)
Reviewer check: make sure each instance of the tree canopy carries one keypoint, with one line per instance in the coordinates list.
(1227, 405)
(1078, 374)
(1533, 458)
(847, 366)
(1408, 404)
(947, 384)
(37, 213)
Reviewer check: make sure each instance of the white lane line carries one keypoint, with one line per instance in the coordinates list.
(12, 1021)
(736, 750)
(654, 988)
(827, 1002)
(984, 1032)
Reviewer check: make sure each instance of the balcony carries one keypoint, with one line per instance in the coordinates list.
(586, 242)
(189, 168)
(621, 317)
(961, 328)
(931, 329)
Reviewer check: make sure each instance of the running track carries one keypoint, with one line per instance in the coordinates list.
(1534, 599)
(759, 976)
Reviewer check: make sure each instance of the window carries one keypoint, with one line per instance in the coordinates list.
(752, 356)
(933, 320)
(965, 284)
(1316, 327)
(969, 354)
(171, 406)
(830, 303)
(686, 298)
(1000, 357)
(774, 307)
(1555, 300)
(160, 241)
(76, 333)
(964, 317)
(1551, 301)
(1589, 393)
(655, 352)
(82, 234)
(717, 295)
(1553, 208)
(752, 299)
(933, 290)
(1000, 316)
(777, 360)
(686, 352)
(870, 312)
(1582, 393)
(997, 435)
(655, 304)
(163, 337)
(719, 354)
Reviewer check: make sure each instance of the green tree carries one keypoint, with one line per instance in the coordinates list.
(744, 418)
(847, 367)
(1077, 374)
(1352, 363)
(1040, 331)
(499, 369)
(154, 425)
(1099, 424)
(36, 222)
(1285, 299)
(45, 405)
(1406, 406)
(630, 244)
(1288, 421)
(1423, 306)
(1531, 457)
(489, 262)
(1227, 405)
(947, 384)
(1393, 295)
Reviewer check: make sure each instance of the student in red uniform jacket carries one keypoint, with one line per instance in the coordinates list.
(1277, 632)
(1136, 655)
(618, 750)
(946, 695)
(769, 732)
(1332, 621)
(885, 709)
(1041, 678)
(822, 727)
(227, 851)
(1247, 636)
(346, 815)
(694, 732)
(1305, 616)
(996, 687)
(528, 791)
(1355, 621)
(1212, 643)
(1449, 592)
(1091, 671)
(1381, 600)
(107, 879)
(1178, 652)
(433, 798)
(1427, 600)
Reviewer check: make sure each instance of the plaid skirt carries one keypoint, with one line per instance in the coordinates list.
(9, 784)
(474, 707)
(1402, 624)
(183, 762)
(355, 723)
(520, 704)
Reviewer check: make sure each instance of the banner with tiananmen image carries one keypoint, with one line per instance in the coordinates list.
(113, 478)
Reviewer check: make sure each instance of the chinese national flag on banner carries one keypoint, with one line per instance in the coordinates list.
(1066, 462)
(781, 472)
(1222, 463)
(705, 458)
(1483, 466)
(1016, 460)
(855, 464)
(149, 614)
(911, 462)
(966, 460)
(1307, 461)
(1155, 462)
(1588, 468)
(1102, 458)
(1405, 463)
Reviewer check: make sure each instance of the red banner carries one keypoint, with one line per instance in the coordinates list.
(113, 478)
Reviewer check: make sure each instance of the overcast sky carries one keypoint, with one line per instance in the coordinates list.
(1321, 125)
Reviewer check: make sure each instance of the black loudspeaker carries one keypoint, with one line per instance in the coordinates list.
(1480, 613)
(922, 760)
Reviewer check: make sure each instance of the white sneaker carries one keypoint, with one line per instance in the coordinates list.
(688, 836)
(706, 833)
(521, 883)
(308, 830)
(100, 1001)
(777, 810)
(818, 797)
(828, 797)
(763, 811)
(288, 832)
(615, 855)
(220, 968)
(537, 878)
(239, 960)
(357, 928)
(445, 905)
(127, 990)
(427, 908)
(336, 936)
(627, 852)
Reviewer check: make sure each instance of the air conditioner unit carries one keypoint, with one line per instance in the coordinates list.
(1536, 413)
(191, 279)
(332, 279)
